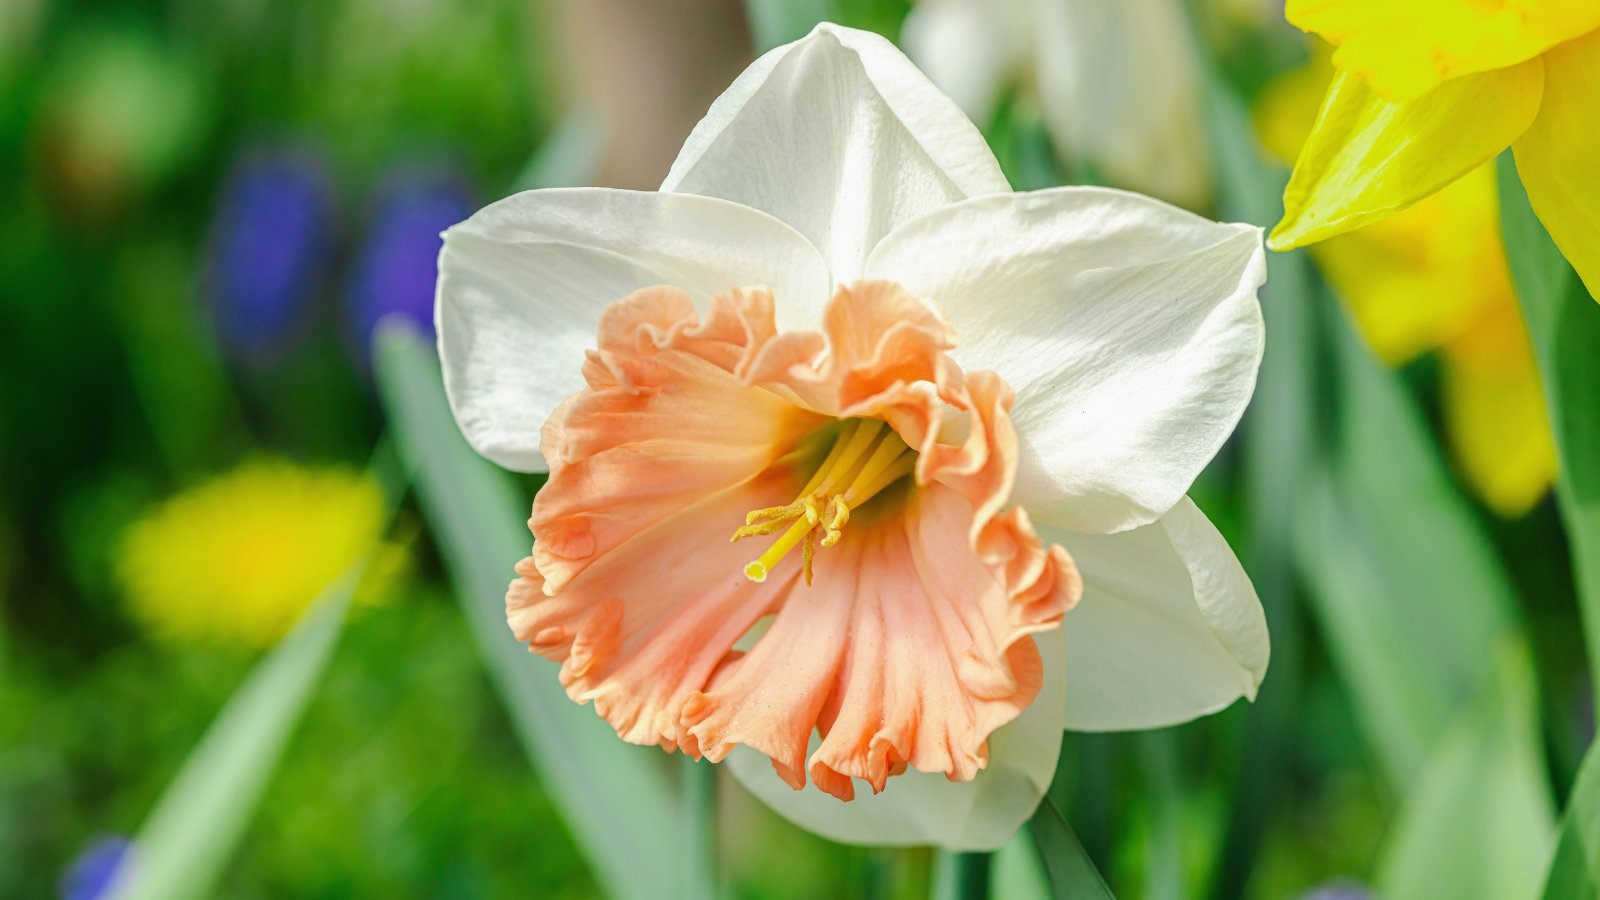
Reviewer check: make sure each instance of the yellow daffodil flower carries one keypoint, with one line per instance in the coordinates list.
(1429, 90)
(1434, 277)
(237, 560)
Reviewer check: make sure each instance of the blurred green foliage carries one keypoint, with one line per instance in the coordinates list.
(123, 121)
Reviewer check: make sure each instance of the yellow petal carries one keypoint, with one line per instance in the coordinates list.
(1559, 157)
(1500, 433)
(1368, 157)
(1405, 48)
(1428, 275)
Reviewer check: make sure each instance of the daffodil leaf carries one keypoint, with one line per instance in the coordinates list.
(619, 800)
(962, 876)
(198, 820)
(777, 22)
(200, 817)
(568, 157)
(1018, 872)
(1400, 701)
(1575, 871)
(1069, 869)
(1277, 444)
(1478, 820)
(1406, 584)
(1564, 324)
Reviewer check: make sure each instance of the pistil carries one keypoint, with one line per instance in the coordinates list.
(866, 457)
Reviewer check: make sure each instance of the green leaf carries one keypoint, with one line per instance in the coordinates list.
(1575, 871)
(1071, 873)
(198, 820)
(1164, 870)
(1564, 324)
(200, 817)
(618, 799)
(1018, 872)
(1277, 447)
(1406, 584)
(777, 22)
(568, 157)
(1478, 821)
(962, 876)
(1401, 702)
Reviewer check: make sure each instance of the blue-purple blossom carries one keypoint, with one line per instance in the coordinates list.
(270, 244)
(91, 873)
(397, 265)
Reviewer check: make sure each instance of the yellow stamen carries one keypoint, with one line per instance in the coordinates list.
(807, 553)
(757, 571)
(866, 457)
(900, 468)
(772, 512)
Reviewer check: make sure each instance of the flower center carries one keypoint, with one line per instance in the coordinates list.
(867, 456)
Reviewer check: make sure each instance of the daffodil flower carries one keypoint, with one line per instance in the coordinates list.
(1117, 80)
(862, 467)
(1434, 277)
(1429, 90)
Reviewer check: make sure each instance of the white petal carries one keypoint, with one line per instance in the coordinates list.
(918, 808)
(523, 282)
(1119, 82)
(1169, 627)
(839, 135)
(970, 49)
(1129, 328)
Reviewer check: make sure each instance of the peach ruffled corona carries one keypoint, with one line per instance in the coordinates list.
(864, 479)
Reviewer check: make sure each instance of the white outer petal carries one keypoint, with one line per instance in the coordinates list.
(523, 282)
(1169, 627)
(970, 49)
(1129, 328)
(918, 808)
(1119, 83)
(839, 135)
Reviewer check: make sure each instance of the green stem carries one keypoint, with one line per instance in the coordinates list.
(1164, 879)
(971, 875)
(1564, 325)
(700, 829)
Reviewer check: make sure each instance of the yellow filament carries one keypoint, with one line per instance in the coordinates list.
(866, 457)
(757, 571)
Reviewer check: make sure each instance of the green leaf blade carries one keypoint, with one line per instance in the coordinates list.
(1575, 871)
(1478, 821)
(1070, 871)
(181, 849)
(618, 799)
(1564, 325)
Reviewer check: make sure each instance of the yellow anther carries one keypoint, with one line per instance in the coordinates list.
(866, 457)
(758, 529)
(807, 553)
(772, 512)
(838, 515)
(810, 506)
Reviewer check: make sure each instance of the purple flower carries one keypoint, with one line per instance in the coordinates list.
(88, 876)
(397, 265)
(270, 244)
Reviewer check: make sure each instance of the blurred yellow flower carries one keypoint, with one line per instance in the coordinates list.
(239, 558)
(1434, 277)
(1430, 90)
